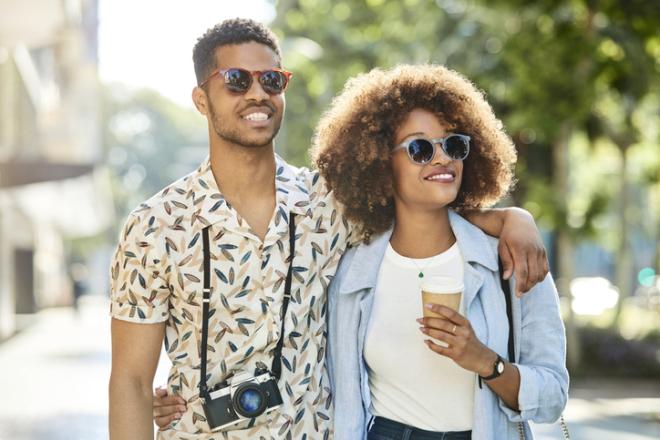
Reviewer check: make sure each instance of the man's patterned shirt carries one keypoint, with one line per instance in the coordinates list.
(157, 276)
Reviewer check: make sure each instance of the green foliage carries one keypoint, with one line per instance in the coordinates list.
(553, 70)
(150, 142)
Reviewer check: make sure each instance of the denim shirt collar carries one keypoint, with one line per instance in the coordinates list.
(365, 266)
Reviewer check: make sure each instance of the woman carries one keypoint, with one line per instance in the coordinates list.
(405, 151)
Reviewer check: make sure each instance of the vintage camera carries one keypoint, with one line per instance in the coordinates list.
(243, 396)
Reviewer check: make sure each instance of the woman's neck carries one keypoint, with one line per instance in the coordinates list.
(421, 233)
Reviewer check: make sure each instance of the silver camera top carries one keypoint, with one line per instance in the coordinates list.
(239, 378)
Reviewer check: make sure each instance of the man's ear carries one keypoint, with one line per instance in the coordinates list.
(200, 100)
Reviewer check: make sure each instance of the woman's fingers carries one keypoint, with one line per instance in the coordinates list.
(440, 335)
(165, 421)
(161, 398)
(160, 392)
(167, 410)
(443, 325)
(445, 351)
(448, 313)
(168, 401)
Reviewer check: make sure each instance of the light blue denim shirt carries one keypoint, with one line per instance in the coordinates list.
(540, 341)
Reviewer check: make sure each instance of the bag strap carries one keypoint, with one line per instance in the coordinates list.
(206, 299)
(506, 288)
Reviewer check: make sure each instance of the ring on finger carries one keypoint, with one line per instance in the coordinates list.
(454, 329)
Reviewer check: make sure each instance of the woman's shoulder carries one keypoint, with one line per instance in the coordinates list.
(342, 268)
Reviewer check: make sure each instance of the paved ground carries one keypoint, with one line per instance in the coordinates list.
(54, 375)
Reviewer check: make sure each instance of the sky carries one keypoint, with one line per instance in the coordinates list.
(148, 43)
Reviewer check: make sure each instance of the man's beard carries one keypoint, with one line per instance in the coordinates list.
(235, 137)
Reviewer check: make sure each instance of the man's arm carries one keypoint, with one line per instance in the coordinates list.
(520, 246)
(135, 353)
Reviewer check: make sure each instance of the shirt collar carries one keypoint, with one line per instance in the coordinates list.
(210, 206)
(365, 265)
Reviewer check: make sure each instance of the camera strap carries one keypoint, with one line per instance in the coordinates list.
(206, 299)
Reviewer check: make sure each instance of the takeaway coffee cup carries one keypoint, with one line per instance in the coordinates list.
(445, 291)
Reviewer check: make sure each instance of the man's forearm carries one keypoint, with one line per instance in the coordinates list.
(130, 410)
(488, 220)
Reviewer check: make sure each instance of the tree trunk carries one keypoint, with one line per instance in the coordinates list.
(623, 270)
(565, 243)
(654, 199)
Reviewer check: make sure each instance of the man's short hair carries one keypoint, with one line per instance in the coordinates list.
(232, 31)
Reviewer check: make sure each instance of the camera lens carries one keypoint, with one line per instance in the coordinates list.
(249, 401)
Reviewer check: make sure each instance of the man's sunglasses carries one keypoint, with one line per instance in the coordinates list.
(422, 150)
(237, 80)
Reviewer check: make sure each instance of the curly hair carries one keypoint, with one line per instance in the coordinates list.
(354, 138)
(232, 31)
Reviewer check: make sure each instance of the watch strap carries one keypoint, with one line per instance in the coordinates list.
(495, 372)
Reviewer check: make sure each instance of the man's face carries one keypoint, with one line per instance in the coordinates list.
(239, 118)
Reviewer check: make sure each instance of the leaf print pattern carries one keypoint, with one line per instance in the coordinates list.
(157, 274)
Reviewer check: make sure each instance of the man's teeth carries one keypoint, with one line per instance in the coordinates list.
(440, 177)
(256, 117)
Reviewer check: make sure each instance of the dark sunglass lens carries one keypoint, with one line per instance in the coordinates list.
(457, 147)
(273, 81)
(420, 150)
(238, 80)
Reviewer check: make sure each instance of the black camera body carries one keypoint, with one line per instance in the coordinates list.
(243, 396)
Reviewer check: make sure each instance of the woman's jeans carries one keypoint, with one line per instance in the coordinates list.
(386, 429)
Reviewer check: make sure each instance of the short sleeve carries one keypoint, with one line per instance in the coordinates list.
(139, 291)
(320, 186)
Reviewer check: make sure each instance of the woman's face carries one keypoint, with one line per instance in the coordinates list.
(432, 185)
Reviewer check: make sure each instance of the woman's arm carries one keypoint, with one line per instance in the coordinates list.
(536, 387)
(542, 359)
(469, 352)
(520, 244)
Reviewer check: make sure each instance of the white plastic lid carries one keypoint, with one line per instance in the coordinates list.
(442, 285)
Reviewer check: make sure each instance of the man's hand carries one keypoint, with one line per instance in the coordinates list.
(167, 408)
(521, 250)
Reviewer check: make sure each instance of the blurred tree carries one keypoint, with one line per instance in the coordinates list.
(559, 74)
(579, 66)
(150, 141)
(326, 42)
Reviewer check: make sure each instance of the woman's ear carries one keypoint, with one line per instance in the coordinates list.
(200, 100)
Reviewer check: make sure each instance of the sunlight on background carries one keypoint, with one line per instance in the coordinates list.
(593, 295)
(149, 43)
(96, 116)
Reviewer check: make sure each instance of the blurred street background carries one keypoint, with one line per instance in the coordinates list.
(96, 116)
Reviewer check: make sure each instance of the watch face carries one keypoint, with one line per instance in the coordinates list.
(500, 367)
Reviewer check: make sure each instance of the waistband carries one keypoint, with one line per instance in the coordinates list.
(403, 431)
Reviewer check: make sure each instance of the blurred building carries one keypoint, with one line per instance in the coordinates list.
(52, 185)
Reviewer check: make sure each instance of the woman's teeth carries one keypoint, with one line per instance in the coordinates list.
(440, 177)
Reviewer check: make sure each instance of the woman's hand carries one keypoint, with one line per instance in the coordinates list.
(463, 346)
(167, 408)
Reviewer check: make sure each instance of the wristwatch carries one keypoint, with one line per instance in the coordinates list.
(498, 369)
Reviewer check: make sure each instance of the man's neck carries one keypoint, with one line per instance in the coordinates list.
(242, 173)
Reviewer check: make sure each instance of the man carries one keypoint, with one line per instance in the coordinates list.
(244, 196)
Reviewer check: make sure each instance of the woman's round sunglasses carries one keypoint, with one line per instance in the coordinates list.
(422, 150)
(237, 80)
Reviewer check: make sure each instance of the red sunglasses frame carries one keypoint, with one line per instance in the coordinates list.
(252, 73)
